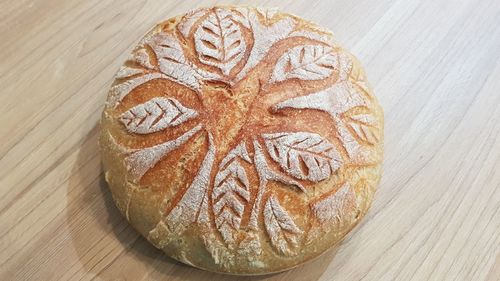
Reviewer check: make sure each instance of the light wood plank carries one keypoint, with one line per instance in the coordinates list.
(435, 67)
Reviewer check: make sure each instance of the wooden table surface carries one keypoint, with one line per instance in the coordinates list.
(434, 65)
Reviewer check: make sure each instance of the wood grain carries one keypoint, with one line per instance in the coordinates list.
(435, 67)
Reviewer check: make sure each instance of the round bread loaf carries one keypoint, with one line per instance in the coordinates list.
(241, 140)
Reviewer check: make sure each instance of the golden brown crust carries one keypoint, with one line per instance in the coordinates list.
(242, 140)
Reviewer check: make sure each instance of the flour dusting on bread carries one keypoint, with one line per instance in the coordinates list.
(244, 130)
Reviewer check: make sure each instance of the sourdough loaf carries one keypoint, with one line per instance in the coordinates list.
(241, 140)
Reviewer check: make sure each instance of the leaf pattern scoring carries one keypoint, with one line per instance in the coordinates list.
(305, 62)
(304, 155)
(174, 64)
(219, 41)
(128, 72)
(138, 63)
(363, 127)
(329, 209)
(141, 160)
(231, 193)
(281, 228)
(156, 115)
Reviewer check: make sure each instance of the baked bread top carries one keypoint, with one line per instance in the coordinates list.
(241, 140)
